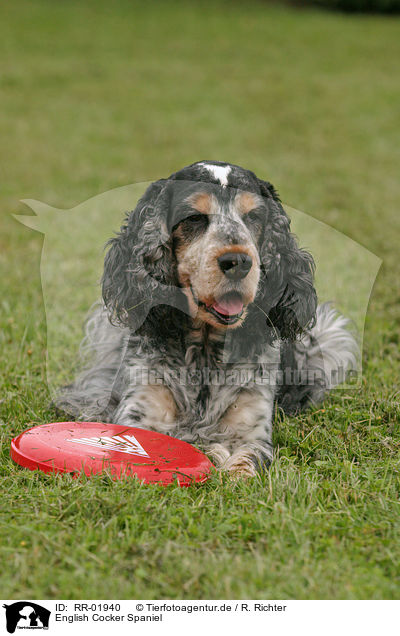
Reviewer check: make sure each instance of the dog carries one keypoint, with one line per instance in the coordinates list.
(208, 313)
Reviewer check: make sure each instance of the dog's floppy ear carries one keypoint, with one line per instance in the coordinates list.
(139, 282)
(287, 292)
(268, 191)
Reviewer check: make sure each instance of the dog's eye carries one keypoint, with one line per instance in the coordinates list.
(254, 219)
(194, 223)
(197, 219)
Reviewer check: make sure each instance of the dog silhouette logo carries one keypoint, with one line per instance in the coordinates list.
(26, 615)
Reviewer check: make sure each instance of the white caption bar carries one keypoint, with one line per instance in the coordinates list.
(166, 617)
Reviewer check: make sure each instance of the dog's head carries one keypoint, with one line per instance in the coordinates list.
(212, 241)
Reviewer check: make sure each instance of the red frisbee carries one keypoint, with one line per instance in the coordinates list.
(92, 448)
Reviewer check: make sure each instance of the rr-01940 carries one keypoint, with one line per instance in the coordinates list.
(97, 607)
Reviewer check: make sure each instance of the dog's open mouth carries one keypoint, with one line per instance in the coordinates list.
(227, 309)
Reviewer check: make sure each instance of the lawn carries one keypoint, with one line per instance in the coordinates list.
(97, 95)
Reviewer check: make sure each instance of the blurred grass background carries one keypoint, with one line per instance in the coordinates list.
(97, 95)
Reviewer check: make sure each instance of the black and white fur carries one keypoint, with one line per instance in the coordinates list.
(161, 286)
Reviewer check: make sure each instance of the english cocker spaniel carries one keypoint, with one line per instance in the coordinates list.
(209, 319)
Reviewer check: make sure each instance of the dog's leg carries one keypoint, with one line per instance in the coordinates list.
(246, 428)
(150, 406)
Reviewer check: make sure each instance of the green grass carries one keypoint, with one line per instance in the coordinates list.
(97, 95)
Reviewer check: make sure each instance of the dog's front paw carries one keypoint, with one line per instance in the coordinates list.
(242, 470)
(242, 464)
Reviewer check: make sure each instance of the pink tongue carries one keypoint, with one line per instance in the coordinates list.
(229, 307)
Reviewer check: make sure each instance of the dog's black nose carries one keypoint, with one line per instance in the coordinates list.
(235, 265)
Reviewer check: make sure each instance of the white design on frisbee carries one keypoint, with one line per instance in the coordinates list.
(121, 443)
